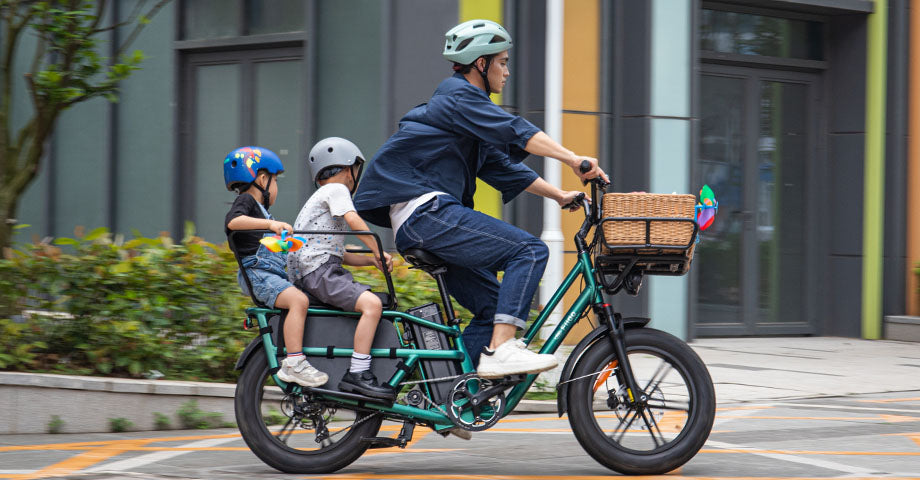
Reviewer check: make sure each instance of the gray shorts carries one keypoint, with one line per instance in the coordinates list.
(332, 285)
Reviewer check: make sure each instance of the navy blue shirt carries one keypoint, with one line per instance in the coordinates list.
(443, 145)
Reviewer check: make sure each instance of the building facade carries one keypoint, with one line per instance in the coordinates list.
(795, 112)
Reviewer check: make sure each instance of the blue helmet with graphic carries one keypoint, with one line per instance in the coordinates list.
(242, 165)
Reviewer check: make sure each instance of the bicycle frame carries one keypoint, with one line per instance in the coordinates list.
(411, 356)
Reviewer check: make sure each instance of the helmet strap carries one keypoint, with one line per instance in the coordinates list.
(485, 73)
(266, 197)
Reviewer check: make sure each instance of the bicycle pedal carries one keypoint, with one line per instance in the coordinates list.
(384, 442)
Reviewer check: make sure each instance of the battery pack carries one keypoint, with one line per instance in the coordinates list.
(430, 339)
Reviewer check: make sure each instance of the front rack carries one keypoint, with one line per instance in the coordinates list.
(619, 265)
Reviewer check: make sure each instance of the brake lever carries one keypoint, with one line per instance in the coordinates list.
(575, 203)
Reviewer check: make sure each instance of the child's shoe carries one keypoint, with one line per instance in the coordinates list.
(365, 383)
(512, 358)
(298, 370)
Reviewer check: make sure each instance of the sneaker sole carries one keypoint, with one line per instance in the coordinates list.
(287, 379)
(349, 388)
(524, 370)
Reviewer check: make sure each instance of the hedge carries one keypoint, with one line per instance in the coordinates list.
(98, 304)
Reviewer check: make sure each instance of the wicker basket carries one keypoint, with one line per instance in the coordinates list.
(660, 233)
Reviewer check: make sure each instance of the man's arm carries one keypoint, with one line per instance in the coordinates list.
(544, 189)
(355, 222)
(541, 144)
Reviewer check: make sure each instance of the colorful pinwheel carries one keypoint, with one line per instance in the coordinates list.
(707, 208)
(283, 243)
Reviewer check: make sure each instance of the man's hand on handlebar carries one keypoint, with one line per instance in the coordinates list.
(570, 200)
(594, 171)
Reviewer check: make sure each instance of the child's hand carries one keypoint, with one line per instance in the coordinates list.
(279, 227)
(387, 258)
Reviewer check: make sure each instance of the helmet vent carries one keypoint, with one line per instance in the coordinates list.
(463, 44)
(479, 25)
(330, 149)
(497, 39)
(312, 159)
(233, 164)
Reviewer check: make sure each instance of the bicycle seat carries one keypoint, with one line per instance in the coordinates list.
(423, 259)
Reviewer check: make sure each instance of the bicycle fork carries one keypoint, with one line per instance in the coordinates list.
(616, 332)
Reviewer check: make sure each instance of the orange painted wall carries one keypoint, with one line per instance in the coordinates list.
(913, 162)
(581, 92)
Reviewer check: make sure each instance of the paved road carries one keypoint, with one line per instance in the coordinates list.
(867, 436)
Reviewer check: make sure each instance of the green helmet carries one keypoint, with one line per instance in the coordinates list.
(470, 40)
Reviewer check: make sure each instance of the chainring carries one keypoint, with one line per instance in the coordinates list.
(466, 416)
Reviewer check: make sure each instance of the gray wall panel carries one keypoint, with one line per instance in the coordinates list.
(418, 28)
(348, 72)
(845, 281)
(847, 85)
(81, 193)
(845, 155)
(146, 133)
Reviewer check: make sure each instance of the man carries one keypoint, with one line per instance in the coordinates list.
(421, 184)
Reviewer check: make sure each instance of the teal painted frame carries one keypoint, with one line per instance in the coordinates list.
(591, 294)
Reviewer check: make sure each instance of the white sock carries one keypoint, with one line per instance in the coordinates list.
(293, 358)
(360, 362)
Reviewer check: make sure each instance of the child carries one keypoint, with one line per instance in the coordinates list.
(317, 267)
(253, 173)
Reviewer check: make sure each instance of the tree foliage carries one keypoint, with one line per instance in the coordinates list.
(72, 63)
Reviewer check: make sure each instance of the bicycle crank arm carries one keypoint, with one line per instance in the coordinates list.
(506, 382)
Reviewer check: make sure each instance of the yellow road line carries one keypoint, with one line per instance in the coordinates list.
(892, 400)
(886, 418)
(808, 452)
(84, 460)
(417, 476)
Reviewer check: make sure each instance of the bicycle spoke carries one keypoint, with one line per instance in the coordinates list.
(652, 427)
(684, 407)
(625, 429)
(663, 366)
(281, 433)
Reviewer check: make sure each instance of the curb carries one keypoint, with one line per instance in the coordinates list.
(88, 404)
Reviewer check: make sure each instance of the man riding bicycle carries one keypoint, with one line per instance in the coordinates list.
(422, 180)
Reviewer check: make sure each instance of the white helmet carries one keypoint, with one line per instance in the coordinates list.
(470, 40)
(334, 152)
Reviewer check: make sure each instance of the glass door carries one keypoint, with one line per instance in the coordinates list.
(756, 151)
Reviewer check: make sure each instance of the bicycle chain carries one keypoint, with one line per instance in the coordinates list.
(585, 376)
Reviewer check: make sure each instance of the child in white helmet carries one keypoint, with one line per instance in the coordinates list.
(316, 268)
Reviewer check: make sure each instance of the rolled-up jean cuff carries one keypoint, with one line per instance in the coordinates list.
(510, 320)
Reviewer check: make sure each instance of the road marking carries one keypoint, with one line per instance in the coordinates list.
(844, 407)
(840, 467)
(131, 463)
(886, 418)
(414, 476)
(83, 460)
(891, 400)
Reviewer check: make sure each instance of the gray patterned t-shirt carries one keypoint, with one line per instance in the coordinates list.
(325, 210)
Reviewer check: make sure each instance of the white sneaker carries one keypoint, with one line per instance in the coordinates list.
(299, 371)
(512, 358)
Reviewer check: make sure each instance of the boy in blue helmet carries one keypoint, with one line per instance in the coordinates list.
(253, 173)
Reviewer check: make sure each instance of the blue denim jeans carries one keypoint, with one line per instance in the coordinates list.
(477, 247)
(266, 272)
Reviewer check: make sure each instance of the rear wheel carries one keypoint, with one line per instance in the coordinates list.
(297, 433)
(650, 436)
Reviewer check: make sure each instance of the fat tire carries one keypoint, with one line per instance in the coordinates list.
(247, 405)
(609, 453)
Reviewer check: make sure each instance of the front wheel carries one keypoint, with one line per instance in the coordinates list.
(297, 433)
(651, 436)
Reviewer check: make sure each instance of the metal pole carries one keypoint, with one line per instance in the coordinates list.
(552, 171)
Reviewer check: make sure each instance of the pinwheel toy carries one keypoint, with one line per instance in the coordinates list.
(283, 243)
(707, 208)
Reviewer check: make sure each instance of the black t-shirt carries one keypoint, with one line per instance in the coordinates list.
(246, 243)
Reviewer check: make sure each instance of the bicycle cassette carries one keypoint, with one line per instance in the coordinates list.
(467, 411)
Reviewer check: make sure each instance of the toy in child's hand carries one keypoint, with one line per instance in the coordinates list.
(282, 243)
(707, 208)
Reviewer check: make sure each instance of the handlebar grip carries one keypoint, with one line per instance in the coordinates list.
(575, 203)
(585, 166)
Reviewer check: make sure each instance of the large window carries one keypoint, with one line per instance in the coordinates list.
(203, 19)
(749, 34)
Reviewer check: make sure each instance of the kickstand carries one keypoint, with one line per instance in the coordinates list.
(405, 436)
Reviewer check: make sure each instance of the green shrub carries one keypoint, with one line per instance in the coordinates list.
(161, 421)
(98, 304)
(120, 424)
(55, 424)
(191, 417)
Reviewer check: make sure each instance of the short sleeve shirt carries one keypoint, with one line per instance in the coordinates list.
(325, 210)
(246, 243)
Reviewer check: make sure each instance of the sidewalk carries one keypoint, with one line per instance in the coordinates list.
(743, 370)
(777, 368)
